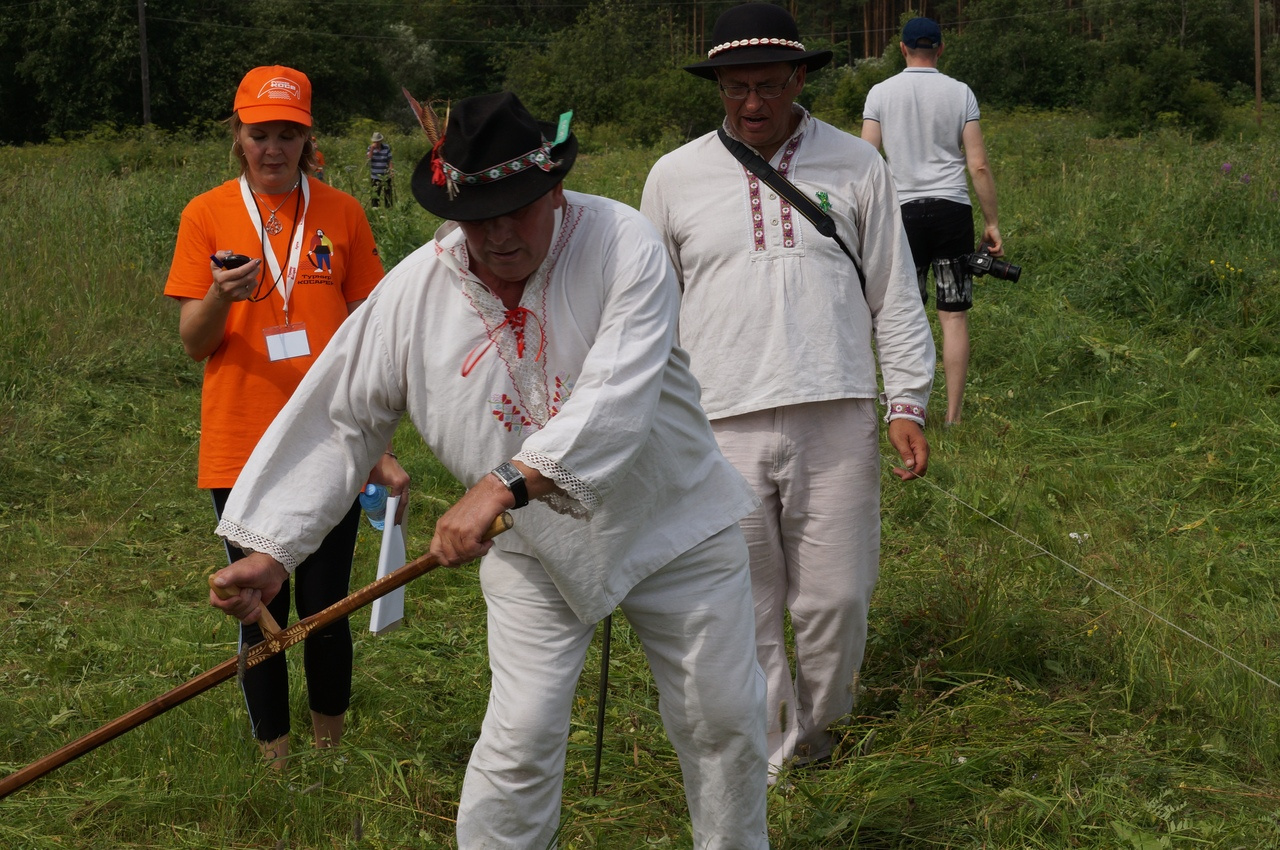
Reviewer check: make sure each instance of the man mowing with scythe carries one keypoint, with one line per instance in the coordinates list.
(532, 343)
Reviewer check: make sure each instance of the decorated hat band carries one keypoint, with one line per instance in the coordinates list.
(754, 42)
(454, 178)
(756, 34)
(492, 159)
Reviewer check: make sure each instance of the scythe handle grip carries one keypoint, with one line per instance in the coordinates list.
(266, 622)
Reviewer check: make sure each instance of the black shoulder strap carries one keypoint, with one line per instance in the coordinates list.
(757, 165)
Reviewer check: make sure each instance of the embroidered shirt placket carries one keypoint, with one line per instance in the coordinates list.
(528, 372)
(784, 209)
(788, 234)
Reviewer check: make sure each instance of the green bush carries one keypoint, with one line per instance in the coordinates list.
(1162, 92)
(853, 83)
(608, 75)
(1019, 53)
(671, 102)
(1119, 103)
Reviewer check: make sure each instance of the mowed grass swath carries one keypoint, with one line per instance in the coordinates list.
(1121, 429)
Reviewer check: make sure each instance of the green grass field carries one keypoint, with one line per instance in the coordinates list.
(1075, 641)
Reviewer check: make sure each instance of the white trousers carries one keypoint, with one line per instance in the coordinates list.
(694, 619)
(815, 551)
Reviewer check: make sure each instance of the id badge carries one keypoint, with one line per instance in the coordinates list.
(287, 341)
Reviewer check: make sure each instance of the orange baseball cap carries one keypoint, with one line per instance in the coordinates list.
(274, 93)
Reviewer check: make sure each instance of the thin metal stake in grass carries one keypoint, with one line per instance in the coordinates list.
(607, 639)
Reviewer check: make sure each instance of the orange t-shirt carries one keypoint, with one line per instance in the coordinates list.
(243, 389)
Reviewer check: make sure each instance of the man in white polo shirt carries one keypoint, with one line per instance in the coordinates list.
(927, 124)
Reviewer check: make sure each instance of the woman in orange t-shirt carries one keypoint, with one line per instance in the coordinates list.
(258, 325)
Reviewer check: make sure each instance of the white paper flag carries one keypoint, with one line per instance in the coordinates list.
(388, 611)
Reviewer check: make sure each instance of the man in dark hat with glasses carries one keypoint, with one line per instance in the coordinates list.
(532, 342)
(779, 321)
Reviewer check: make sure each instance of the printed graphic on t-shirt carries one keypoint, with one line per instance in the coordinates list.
(320, 255)
(321, 252)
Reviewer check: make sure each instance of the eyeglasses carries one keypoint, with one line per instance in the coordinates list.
(767, 91)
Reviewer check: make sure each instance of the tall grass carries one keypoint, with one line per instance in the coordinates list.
(1026, 684)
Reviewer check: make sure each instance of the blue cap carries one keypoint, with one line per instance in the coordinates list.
(922, 32)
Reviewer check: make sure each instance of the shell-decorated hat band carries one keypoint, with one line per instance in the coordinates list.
(753, 42)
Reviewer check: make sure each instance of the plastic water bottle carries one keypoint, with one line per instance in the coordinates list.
(373, 498)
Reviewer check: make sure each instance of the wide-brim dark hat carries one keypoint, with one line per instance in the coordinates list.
(756, 34)
(493, 159)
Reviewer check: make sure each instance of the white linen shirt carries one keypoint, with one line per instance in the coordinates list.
(772, 312)
(609, 409)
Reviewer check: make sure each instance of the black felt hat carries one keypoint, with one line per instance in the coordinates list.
(756, 34)
(493, 159)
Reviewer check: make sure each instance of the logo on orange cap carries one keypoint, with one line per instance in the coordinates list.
(278, 88)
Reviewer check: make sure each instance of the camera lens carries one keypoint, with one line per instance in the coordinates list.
(1005, 271)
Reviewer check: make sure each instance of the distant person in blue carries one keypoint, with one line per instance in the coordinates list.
(380, 169)
(927, 124)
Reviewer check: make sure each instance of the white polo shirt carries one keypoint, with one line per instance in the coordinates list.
(922, 114)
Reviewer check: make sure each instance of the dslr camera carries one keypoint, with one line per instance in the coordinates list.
(981, 262)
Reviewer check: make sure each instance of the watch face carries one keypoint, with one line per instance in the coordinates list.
(509, 474)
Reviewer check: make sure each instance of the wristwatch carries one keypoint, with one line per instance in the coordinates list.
(514, 481)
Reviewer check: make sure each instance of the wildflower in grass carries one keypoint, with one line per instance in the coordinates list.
(1246, 179)
(1226, 168)
(1224, 269)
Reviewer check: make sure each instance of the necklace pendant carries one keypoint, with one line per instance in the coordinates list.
(273, 225)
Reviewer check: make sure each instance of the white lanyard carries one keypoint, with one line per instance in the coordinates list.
(284, 284)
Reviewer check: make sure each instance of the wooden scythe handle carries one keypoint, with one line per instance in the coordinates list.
(266, 622)
(287, 637)
(280, 641)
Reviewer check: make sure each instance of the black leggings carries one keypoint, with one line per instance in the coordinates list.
(321, 580)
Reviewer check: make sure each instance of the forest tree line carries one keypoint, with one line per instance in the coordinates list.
(73, 66)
